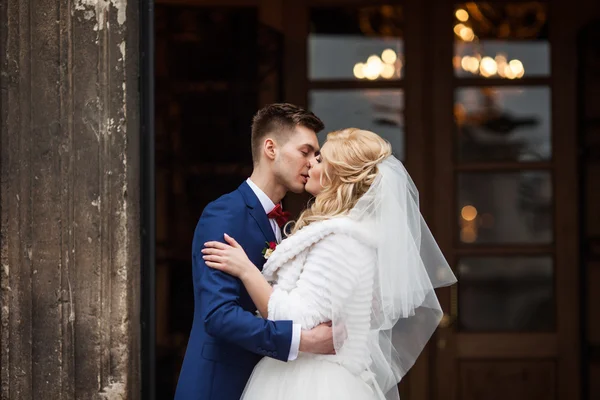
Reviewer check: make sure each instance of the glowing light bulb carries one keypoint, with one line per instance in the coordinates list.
(469, 213)
(516, 66)
(389, 56)
(359, 70)
(457, 28)
(388, 71)
(461, 15)
(488, 66)
(467, 34)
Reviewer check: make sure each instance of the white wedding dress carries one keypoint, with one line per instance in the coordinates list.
(326, 263)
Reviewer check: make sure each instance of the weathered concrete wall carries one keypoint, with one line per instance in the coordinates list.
(69, 199)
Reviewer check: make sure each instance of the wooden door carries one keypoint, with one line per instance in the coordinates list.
(505, 194)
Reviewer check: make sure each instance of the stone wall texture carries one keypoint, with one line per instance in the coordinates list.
(69, 196)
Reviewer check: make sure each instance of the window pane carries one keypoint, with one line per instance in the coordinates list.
(506, 294)
(505, 207)
(356, 43)
(503, 124)
(377, 110)
(507, 41)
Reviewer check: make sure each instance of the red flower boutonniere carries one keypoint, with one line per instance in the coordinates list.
(267, 251)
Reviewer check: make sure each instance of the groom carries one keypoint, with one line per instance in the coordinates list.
(227, 339)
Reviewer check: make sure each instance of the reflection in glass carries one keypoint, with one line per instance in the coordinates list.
(356, 43)
(377, 110)
(503, 124)
(506, 294)
(505, 207)
(508, 41)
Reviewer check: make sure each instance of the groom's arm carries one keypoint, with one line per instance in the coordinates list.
(224, 318)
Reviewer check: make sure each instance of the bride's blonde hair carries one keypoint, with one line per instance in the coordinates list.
(351, 157)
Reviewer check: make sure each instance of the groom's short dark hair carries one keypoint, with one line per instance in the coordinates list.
(280, 119)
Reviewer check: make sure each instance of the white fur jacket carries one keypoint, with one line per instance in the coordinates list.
(324, 272)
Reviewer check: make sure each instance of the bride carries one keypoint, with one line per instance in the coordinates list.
(360, 257)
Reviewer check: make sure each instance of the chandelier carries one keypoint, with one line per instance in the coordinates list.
(490, 21)
(518, 21)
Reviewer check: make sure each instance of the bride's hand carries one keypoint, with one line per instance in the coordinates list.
(229, 258)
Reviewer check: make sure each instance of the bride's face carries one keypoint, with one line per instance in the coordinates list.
(313, 184)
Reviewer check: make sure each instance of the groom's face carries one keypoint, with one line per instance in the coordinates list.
(293, 159)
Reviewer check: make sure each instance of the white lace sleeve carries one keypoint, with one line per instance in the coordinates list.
(328, 276)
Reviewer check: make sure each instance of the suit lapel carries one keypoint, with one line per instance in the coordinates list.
(263, 222)
(257, 212)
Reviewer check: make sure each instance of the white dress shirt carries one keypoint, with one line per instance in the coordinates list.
(268, 205)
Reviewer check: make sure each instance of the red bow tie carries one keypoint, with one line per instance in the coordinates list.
(280, 216)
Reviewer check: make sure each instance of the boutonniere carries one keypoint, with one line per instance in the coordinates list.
(267, 251)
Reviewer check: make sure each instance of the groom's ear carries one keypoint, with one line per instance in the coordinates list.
(270, 148)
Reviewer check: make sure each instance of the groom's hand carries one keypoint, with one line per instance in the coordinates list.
(318, 340)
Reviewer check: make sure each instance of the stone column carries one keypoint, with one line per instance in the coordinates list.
(69, 199)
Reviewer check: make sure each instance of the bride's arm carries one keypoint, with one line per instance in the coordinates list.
(232, 259)
(258, 288)
(330, 273)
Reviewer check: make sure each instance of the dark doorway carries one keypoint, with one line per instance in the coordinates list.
(212, 68)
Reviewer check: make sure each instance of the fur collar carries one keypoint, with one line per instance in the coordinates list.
(313, 233)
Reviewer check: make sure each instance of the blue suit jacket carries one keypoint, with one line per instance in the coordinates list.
(227, 339)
